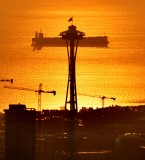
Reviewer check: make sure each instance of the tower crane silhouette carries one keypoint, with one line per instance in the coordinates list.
(39, 91)
(102, 97)
(6, 80)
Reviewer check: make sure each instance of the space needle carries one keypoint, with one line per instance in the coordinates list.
(72, 37)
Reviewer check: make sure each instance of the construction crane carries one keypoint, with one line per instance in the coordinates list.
(6, 80)
(102, 97)
(39, 90)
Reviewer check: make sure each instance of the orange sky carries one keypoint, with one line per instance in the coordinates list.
(14, 13)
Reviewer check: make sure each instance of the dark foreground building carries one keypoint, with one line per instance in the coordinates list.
(20, 133)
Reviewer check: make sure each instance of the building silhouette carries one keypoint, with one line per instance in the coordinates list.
(20, 133)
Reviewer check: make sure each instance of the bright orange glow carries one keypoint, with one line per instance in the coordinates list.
(117, 71)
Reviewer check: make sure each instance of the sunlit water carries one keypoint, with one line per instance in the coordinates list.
(117, 71)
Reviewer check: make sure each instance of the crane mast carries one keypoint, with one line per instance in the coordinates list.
(103, 100)
(39, 91)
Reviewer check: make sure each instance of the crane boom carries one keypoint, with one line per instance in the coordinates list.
(20, 88)
(88, 95)
(6, 80)
(39, 90)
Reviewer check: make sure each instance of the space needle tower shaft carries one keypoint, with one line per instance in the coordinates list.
(72, 36)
